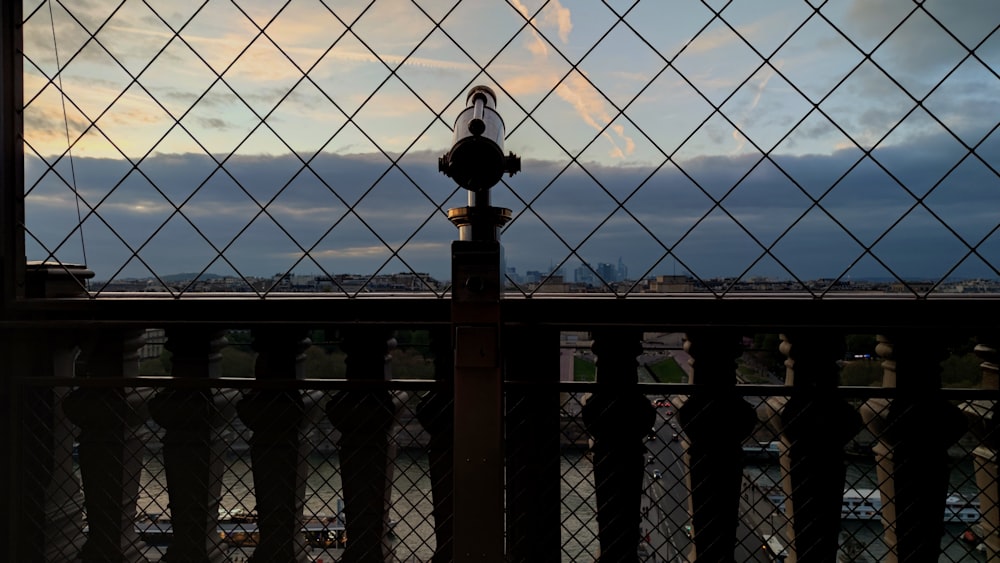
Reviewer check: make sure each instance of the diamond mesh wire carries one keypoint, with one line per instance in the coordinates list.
(192, 89)
(122, 432)
(765, 524)
(410, 532)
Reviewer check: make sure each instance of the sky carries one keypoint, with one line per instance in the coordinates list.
(741, 138)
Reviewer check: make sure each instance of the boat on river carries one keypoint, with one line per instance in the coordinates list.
(762, 451)
(239, 529)
(866, 504)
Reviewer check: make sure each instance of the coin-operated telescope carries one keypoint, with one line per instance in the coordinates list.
(476, 160)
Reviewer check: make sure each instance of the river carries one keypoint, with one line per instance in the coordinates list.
(413, 539)
(413, 533)
(861, 541)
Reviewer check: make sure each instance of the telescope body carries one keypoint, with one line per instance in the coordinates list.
(476, 161)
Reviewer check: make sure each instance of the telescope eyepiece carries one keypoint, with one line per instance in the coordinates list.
(476, 160)
(477, 127)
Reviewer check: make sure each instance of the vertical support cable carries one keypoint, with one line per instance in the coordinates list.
(69, 144)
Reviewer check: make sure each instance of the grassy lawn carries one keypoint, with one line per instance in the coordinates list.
(583, 370)
(667, 371)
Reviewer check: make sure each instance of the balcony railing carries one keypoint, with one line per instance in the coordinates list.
(672, 418)
(625, 467)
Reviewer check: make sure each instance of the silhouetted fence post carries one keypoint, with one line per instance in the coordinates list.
(192, 452)
(112, 437)
(815, 424)
(364, 418)
(533, 430)
(435, 413)
(618, 417)
(277, 446)
(716, 421)
(983, 416)
(50, 519)
(914, 430)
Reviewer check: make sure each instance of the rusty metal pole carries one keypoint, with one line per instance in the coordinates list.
(476, 162)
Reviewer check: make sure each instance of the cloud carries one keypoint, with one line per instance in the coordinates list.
(594, 110)
(673, 210)
(923, 49)
(374, 251)
(574, 89)
(537, 46)
(759, 83)
(587, 102)
(558, 16)
(347, 191)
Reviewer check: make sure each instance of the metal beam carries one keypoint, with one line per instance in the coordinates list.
(12, 262)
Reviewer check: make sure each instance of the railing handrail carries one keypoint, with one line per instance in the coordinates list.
(338, 384)
(774, 312)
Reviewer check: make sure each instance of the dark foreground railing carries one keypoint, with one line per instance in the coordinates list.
(112, 464)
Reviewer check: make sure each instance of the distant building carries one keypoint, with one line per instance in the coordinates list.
(554, 284)
(671, 284)
(153, 348)
(607, 272)
(917, 286)
(583, 275)
(513, 276)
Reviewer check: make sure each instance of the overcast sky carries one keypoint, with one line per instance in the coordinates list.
(882, 145)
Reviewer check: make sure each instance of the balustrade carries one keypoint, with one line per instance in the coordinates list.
(435, 413)
(814, 425)
(983, 416)
(51, 515)
(716, 421)
(364, 418)
(192, 453)
(914, 430)
(112, 431)
(532, 441)
(277, 446)
(618, 417)
(913, 423)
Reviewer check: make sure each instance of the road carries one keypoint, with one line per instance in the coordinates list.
(665, 503)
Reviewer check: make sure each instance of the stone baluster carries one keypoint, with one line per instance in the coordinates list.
(277, 446)
(618, 417)
(532, 445)
(50, 521)
(913, 430)
(365, 418)
(192, 453)
(716, 421)
(436, 415)
(982, 416)
(814, 424)
(111, 441)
